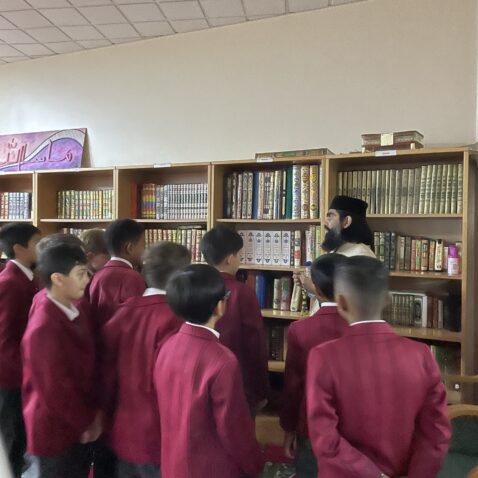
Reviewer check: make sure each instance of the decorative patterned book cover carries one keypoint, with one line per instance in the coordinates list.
(314, 192)
(296, 190)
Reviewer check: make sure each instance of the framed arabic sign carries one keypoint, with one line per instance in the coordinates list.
(46, 150)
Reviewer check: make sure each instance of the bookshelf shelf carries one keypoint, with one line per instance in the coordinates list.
(269, 221)
(276, 366)
(283, 315)
(82, 221)
(16, 220)
(172, 221)
(254, 267)
(438, 335)
(415, 216)
(425, 275)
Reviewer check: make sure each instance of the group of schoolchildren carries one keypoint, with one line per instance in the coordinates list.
(160, 374)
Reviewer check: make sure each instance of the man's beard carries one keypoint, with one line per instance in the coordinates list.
(333, 239)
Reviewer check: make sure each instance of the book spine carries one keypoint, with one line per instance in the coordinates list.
(431, 255)
(314, 192)
(276, 297)
(386, 191)
(296, 190)
(260, 198)
(387, 250)
(459, 199)
(439, 189)
(305, 191)
(411, 183)
(401, 253)
(381, 253)
(297, 248)
(418, 257)
(404, 192)
(454, 189)
(283, 214)
(423, 183)
(286, 248)
(449, 178)
(267, 253)
(296, 299)
(392, 190)
(258, 247)
(286, 293)
(250, 259)
(413, 267)
(240, 190)
(393, 251)
(276, 248)
(425, 255)
(340, 183)
(439, 256)
(242, 252)
(408, 253)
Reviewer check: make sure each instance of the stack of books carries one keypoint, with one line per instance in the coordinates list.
(431, 189)
(92, 204)
(414, 309)
(174, 201)
(415, 254)
(15, 205)
(280, 248)
(372, 143)
(189, 237)
(286, 193)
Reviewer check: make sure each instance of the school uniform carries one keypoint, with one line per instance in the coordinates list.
(241, 330)
(376, 404)
(206, 427)
(131, 340)
(58, 353)
(302, 336)
(111, 286)
(17, 288)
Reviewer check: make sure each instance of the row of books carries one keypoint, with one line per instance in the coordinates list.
(280, 248)
(276, 342)
(15, 205)
(432, 189)
(189, 237)
(278, 293)
(415, 254)
(287, 193)
(174, 201)
(413, 309)
(91, 204)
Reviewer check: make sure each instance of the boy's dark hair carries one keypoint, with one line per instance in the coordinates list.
(322, 272)
(162, 260)
(194, 292)
(57, 239)
(60, 258)
(120, 232)
(94, 241)
(16, 233)
(218, 243)
(366, 279)
(359, 231)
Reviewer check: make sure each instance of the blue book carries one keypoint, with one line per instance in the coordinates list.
(261, 290)
(255, 194)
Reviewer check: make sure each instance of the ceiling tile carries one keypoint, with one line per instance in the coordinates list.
(49, 3)
(118, 31)
(219, 22)
(63, 17)
(82, 33)
(264, 7)
(95, 43)
(142, 12)
(10, 5)
(50, 34)
(305, 5)
(34, 49)
(15, 36)
(182, 10)
(89, 3)
(152, 29)
(15, 59)
(6, 25)
(131, 2)
(64, 47)
(27, 19)
(103, 15)
(222, 9)
(7, 50)
(183, 26)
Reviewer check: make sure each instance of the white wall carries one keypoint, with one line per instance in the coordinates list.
(315, 79)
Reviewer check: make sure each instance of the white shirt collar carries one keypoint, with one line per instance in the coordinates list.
(71, 312)
(215, 332)
(153, 291)
(328, 304)
(114, 258)
(368, 322)
(26, 270)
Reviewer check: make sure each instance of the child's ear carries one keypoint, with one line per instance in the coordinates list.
(220, 309)
(128, 248)
(343, 307)
(56, 279)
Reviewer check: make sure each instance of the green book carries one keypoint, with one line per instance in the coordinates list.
(288, 194)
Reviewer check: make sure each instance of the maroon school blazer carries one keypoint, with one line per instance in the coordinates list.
(376, 403)
(325, 325)
(242, 331)
(131, 340)
(16, 296)
(58, 372)
(206, 426)
(110, 287)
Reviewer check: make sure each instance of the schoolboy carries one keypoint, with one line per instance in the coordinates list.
(17, 288)
(131, 340)
(206, 427)
(96, 250)
(241, 327)
(326, 324)
(58, 351)
(376, 405)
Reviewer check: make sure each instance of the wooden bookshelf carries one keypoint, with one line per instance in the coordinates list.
(283, 315)
(18, 181)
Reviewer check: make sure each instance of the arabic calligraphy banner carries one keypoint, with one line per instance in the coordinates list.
(46, 150)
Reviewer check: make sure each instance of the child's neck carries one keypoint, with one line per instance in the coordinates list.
(23, 263)
(59, 297)
(366, 319)
(226, 269)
